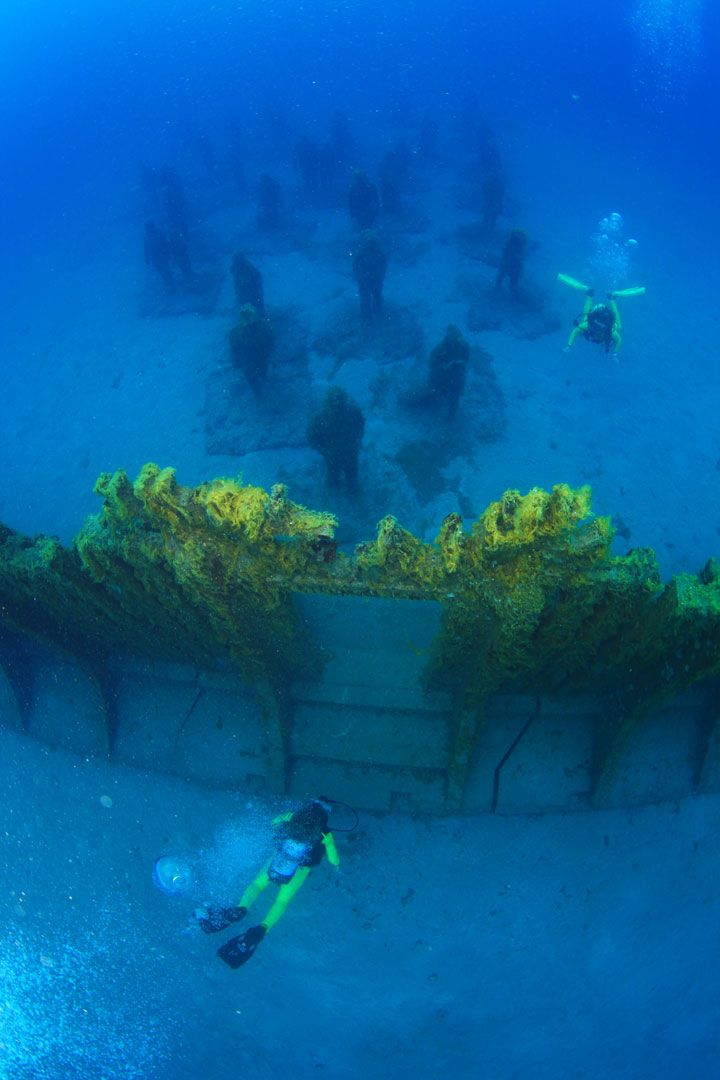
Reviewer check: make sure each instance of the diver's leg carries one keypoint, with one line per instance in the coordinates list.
(284, 896)
(238, 950)
(575, 333)
(582, 323)
(254, 889)
(573, 283)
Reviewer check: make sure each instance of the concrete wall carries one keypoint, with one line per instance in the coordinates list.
(368, 733)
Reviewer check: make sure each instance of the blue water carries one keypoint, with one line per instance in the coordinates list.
(591, 110)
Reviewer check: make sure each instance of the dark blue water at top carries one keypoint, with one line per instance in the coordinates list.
(88, 86)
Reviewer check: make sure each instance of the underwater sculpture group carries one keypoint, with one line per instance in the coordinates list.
(533, 599)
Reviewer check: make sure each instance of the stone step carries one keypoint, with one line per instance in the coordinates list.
(369, 787)
(365, 694)
(380, 736)
(341, 622)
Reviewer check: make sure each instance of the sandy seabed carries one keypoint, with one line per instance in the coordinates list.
(574, 945)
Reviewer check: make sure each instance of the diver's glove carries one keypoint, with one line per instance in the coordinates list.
(212, 918)
(238, 950)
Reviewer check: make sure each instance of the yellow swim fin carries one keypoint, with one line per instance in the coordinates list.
(571, 281)
(634, 290)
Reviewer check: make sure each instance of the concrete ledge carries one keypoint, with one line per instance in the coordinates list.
(223, 742)
(376, 741)
(151, 714)
(550, 768)
(710, 772)
(162, 670)
(660, 758)
(10, 715)
(68, 708)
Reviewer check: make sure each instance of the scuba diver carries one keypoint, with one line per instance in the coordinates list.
(599, 323)
(302, 838)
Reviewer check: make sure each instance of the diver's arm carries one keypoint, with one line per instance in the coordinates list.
(281, 818)
(330, 849)
(616, 340)
(617, 324)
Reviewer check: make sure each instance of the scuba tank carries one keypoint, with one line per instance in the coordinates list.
(289, 856)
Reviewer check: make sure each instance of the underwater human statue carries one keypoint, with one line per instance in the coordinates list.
(336, 430)
(166, 252)
(512, 261)
(599, 323)
(302, 839)
(368, 267)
